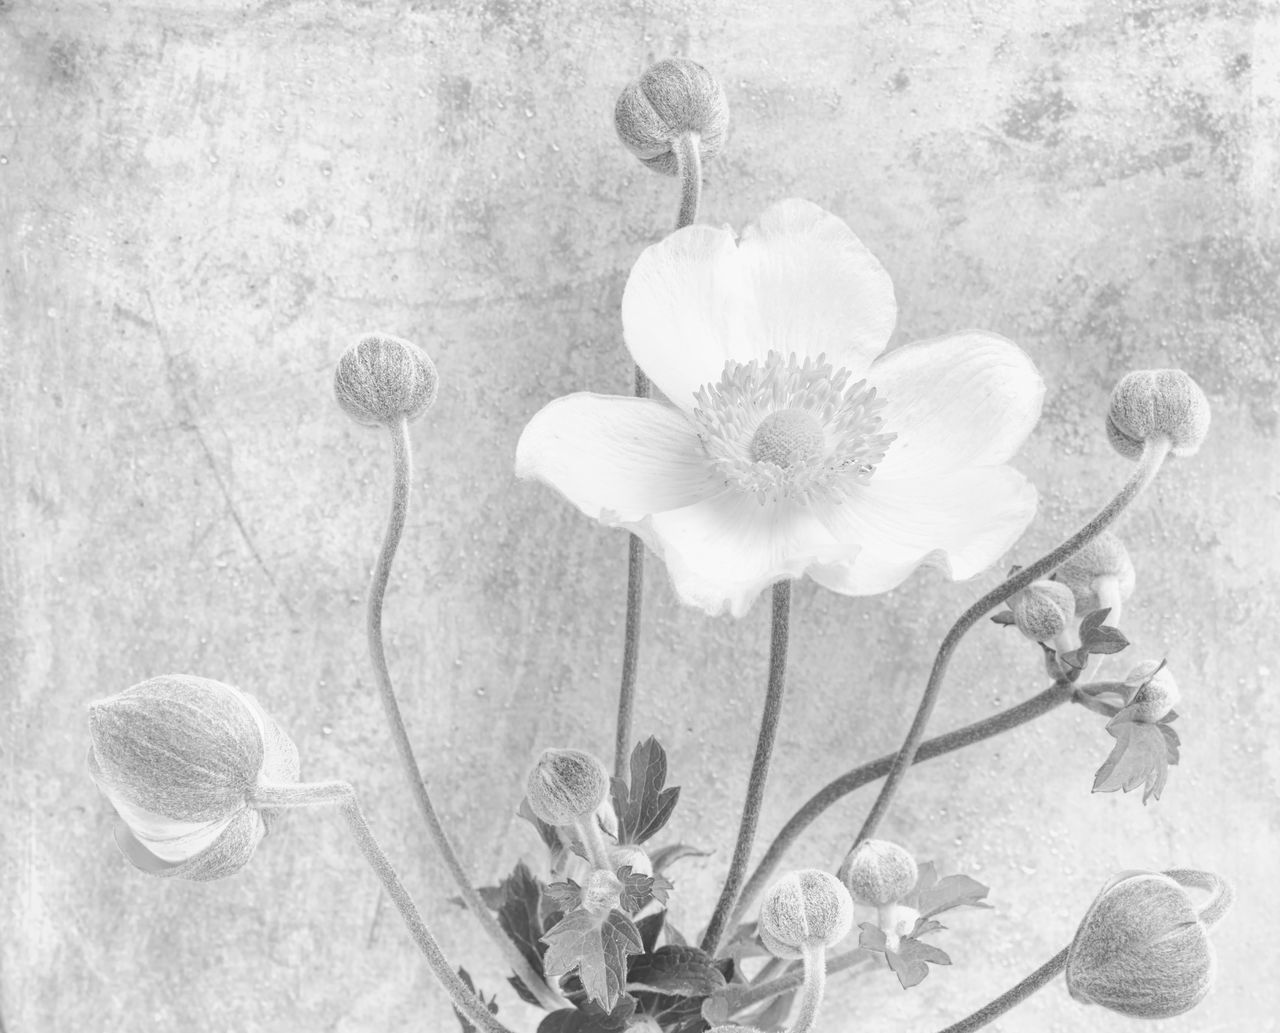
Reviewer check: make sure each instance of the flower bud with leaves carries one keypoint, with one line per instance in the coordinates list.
(1153, 403)
(566, 786)
(1043, 610)
(628, 855)
(1154, 692)
(382, 379)
(878, 872)
(179, 758)
(671, 98)
(1142, 949)
(804, 908)
(603, 892)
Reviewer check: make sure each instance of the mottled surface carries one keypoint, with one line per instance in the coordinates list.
(201, 203)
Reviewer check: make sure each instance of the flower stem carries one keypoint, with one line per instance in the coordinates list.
(814, 986)
(791, 980)
(689, 162)
(536, 985)
(1038, 979)
(593, 840)
(1221, 892)
(1041, 703)
(1153, 455)
(781, 631)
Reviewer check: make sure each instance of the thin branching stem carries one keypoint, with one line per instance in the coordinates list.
(1038, 979)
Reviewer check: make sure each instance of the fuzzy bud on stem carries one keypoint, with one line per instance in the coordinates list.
(381, 380)
(879, 873)
(566, 786)
(1043, 610)
(803, 909)
(1153, 693)
(1157, 403)
(671, 99)
(1086, 573)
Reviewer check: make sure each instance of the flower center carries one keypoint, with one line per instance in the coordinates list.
(788, 437)
(786, 429)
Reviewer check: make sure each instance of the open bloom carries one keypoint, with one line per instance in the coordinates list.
(788, 450)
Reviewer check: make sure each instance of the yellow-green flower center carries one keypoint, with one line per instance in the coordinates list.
(788, 437)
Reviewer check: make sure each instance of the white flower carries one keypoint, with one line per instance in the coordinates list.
(788, 450)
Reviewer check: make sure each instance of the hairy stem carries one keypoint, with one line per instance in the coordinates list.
(791, 980)
(547, 997)
(781, 631)
(1038, 979)
(594, 842)
(864, 774)
(689, 160)
(1221, 893)
(1153, 455)
(814, 986)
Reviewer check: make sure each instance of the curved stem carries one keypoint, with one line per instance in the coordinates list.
(1036, 981)
(377, 592)
(864, 774)
(1153, 455)
(815, 985)
(791, 980)
(689, 163)
(1221, 893)
(781, 631)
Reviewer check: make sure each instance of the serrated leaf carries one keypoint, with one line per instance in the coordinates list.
(637, 889)
(492, 1003)
(944, 894)
(590, 1019)
(664, 857)
(566, 896)
(911, 961)
(520, 913)
(1098, 637)
(677, 971)
(597, 946)
(1141, 757)
(644, 806)
(650, 929)
(1004, 617)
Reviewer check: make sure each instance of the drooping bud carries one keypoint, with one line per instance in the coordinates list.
(628, 855)
(878, 872)
(671, 98)
(566, 785)
(1154, 693)
(179, 758)
(381, 379)
(808, 907)
(1152, 403)
(1141, 949)
(1043, 610)
(603, 892)
(1103, 557)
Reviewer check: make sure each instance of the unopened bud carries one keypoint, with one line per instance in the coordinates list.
(1152, 403)
(1043, 610)
(1141, 949)
(628, 855)
(1103, 557)
(566, 785)
(804, 908)
(672, 98)
(603, 892)
(878, 872)
(381, 379)
(179, 758)
(1154, 692)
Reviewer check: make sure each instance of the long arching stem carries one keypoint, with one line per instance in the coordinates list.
(536, 985)
(1036, 981)
(769, 720)
(689, 162)
(1153, 455)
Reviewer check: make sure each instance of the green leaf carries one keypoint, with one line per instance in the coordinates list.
(650, 929)
(637, 889)
(1097, 637)
(679, 971)
(598, 947)
(492, 1003)
(1004, 617)
(644, 806)
(566, 896)
(944, 894)
(520, 913)
(1141, 757)
(664, 857)
(910, 960)
(590, 1019)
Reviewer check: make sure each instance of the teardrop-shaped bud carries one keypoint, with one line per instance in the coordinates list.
(808, 907)
(1152, 403)
(1043, 609)
(878, 872)
(566, 785)
(382, 379)
(671, 98)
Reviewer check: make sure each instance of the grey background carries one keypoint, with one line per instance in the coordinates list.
(202, 203)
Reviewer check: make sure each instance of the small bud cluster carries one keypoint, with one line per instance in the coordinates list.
(672, 98)
(566, 786)
(803, 909)
(1154, 403)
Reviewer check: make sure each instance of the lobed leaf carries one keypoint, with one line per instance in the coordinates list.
(597, 946)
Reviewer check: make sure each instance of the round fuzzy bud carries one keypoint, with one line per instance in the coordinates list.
(672, 98)
(1152, 403)
(1043, 609)
(566, 785)
(1155, 692)
(179, 757)
(1103, 557)
(629, 855)
(603, 892)
(878, 872)
(808, 907)
(381, 379)
(1141, 949)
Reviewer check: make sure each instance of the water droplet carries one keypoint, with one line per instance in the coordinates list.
(326, 729)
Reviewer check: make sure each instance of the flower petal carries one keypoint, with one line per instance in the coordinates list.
(722, 552)
(816, 288)
(685, 311)
(969, 399)
(962, 523)
(225, 856)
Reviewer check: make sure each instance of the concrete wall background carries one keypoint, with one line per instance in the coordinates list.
(202, 203)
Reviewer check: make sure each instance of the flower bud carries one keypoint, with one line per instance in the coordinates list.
(628, 855)
(808, 907)
(1043, 610)
(380, 379)
(671, 98)
(1153, 403)
(179, 757)
(1141, 949)
(603, 892)
(566, 785)
(878, 872)
(1103, 557)
(1155, 692)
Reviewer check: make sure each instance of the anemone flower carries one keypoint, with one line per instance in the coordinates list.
(788, 448)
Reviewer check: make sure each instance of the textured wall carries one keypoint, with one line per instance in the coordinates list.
(201, 203)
